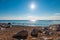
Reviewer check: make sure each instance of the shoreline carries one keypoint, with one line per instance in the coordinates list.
(7, 32)
(26, 25)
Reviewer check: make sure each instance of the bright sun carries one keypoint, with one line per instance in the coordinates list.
(32, 6)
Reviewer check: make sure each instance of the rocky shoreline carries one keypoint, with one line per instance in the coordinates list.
(7, 31)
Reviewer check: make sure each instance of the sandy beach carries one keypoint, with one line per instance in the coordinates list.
(29, 19)
(7, 33)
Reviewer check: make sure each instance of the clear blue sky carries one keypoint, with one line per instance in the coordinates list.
(20, 10)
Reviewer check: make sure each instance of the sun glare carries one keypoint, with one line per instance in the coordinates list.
(33, 20)
(32, 6)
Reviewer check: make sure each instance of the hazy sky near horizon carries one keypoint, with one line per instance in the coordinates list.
(21, 10)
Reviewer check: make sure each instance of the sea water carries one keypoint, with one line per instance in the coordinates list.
(31, 23)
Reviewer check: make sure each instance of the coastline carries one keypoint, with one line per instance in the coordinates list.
(8, 32)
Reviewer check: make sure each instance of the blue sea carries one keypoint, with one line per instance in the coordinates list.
(31, 23)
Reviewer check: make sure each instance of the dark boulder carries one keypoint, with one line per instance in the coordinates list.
(34, 33)
(8, 25)
(21, 35)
